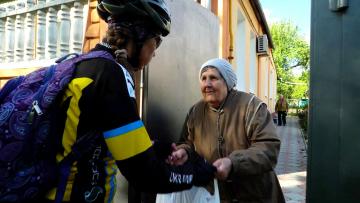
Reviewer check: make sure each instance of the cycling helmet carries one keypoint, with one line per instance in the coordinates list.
(156, 10)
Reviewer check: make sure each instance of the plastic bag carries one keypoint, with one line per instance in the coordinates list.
(195, 195)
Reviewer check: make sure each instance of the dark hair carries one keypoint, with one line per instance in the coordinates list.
(118, 40)
(122, 31)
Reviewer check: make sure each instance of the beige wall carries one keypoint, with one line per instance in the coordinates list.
(264, 80)
(172, 83)
(272, 86)
(239, 54)
(267, 82)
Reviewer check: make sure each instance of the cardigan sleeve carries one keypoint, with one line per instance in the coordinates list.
(187, 136)
(261, 156)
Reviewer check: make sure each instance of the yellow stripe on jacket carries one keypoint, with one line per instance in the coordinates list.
(75, 88)
(127, 141)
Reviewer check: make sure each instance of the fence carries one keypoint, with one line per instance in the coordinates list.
(39, 30)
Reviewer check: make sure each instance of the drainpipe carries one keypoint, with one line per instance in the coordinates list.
(231, 48)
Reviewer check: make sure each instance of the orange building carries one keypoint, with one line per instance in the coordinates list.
(34, 33)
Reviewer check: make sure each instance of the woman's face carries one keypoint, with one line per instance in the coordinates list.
(148, 50)
(213, 87)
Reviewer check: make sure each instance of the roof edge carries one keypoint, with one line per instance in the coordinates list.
(261, 17)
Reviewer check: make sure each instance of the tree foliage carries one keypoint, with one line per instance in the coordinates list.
(291, 51)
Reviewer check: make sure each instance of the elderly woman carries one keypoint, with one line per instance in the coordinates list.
(233, 130)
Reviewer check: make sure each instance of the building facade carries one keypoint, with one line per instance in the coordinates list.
(34, 32)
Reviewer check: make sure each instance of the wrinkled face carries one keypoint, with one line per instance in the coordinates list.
(213, 87)
(148, 50)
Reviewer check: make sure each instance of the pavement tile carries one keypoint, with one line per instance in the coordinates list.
(291, 167)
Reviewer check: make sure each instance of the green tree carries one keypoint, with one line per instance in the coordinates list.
(291, 51)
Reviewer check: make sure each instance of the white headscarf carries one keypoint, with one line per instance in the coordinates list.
(224, 68)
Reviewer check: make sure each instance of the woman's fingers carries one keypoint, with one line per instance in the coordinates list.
(173, 146)
(177, 157)
(223, 167)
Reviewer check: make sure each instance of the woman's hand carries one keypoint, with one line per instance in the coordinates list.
(178, 157)
(223, 167)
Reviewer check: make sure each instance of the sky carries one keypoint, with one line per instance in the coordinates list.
(295, 11)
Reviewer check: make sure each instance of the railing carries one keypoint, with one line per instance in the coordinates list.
(45, 29)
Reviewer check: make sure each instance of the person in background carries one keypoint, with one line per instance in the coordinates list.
(281, 107)
(233, 130)
(101, 97)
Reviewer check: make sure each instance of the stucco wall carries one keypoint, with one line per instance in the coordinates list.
(242, 25)
(172, 84)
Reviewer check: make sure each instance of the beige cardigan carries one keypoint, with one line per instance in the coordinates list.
(250, 141)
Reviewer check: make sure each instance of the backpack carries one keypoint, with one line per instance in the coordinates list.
(28, 167)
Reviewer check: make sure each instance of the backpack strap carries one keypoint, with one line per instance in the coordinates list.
(75, 57)
(94, 54)
(13, 83)
(66, 57)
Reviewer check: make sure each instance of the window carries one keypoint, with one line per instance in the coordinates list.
(240, 53)
(253, 65)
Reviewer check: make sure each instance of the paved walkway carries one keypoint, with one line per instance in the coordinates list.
(291, 167)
